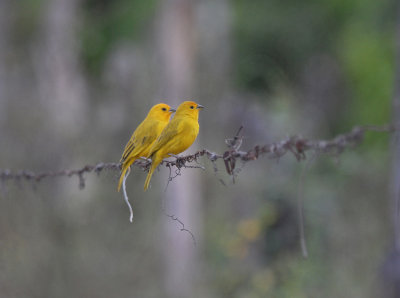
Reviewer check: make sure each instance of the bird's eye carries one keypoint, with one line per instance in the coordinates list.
(164, 109)
(192, 107)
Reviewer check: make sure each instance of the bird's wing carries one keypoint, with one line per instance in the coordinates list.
(144, 136)
(167, 135)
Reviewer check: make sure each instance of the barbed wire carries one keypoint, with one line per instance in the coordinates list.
(295, 145)
(6, 175)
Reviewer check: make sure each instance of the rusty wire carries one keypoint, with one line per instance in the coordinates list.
(295, 145)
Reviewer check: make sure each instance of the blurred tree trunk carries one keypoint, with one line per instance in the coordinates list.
(4, 27)
(391, 268)
(183, 196)
(215, 75)
(61, 83)
(62, 92)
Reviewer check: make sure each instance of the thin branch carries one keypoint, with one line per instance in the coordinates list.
(183, 228)
(175, 218)
(172, 177)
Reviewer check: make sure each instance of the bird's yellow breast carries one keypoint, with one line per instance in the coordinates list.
(188, 132)
(184, 136)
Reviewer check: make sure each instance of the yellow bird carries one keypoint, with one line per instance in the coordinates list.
(176, 137)
(144, 136)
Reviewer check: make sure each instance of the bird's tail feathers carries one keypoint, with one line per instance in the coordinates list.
(148, 178)
(125, 167)
(121, 178)
(155, 162)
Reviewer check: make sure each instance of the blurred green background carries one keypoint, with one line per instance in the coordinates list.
(76, 78)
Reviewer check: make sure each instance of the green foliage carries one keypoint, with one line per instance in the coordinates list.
(365, 48)
(108, 22)
(369, 63)
(274, 39)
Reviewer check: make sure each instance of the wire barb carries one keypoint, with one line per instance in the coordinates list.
(296, 145)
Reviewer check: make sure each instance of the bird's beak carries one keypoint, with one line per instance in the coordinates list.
(172, 110)
(200, 107)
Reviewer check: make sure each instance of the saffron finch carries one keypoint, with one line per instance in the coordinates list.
(176, 137)
(144, 136)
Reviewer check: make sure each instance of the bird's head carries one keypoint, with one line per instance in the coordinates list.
(161, 111)
(189, 108)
